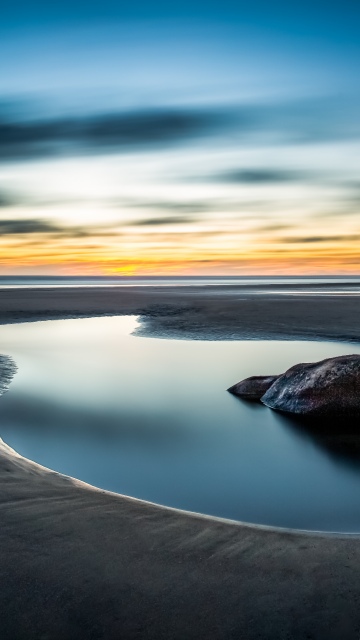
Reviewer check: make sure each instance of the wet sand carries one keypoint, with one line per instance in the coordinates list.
(80, 563)
(207, 312)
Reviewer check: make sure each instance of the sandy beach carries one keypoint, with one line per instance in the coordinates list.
(80, 563)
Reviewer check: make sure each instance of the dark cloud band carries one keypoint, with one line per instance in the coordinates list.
(29, 139)
(261, 176)
(313, 121)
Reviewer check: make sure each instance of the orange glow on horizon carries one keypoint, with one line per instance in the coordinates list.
(256, 263)
(206, 250)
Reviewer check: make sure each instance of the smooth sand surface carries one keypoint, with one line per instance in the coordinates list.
(207, 312)
(77, 563)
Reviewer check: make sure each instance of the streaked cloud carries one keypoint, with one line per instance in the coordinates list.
(262, 176)
(41, 227)
(320, 239)
(158, 222)
(31, 138)
(184, 206)
(24, 135)
(8, 200)
(265, 228)
(27, 226)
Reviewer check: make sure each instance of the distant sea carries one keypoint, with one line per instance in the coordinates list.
(352, 281)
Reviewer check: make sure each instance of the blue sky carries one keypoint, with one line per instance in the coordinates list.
(87, 42)
(300, 17)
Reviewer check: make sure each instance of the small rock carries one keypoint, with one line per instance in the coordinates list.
(252, 388)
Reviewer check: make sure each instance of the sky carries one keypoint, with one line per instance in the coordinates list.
(203, 138)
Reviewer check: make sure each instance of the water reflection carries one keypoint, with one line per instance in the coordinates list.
(339, 437)
(151, 418)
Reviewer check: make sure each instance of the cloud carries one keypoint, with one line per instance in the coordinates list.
(273, 227)
(8, 200)
(26, 139)
(319, 239)
(15, 227)
(23, 135)
(191, 206)
(153, 222)
(40, 226)
(261, 176)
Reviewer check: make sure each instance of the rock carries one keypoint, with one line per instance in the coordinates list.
(8, 369)
(327, 388)
(252, 388)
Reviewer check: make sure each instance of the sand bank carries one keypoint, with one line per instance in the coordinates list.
(208, 312)
(77, 563)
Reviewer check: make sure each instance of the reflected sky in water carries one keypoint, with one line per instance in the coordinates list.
(152, 419)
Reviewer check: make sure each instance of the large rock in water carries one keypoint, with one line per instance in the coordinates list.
(330, 387)
(252, 388)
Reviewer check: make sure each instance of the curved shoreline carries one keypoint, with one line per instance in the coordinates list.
(77, 562)
(108, 566)
(6, 450)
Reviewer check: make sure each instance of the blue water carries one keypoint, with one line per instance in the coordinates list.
(152, 419)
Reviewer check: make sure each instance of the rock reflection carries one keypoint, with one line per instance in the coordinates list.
(338, 437)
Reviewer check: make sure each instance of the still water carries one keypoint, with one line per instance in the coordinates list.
(151, 418)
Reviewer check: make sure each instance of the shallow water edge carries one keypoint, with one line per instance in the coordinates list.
(152, 419)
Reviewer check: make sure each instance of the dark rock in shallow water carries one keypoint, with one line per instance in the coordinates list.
(8, 369)
(252, 388)
(327, 388)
